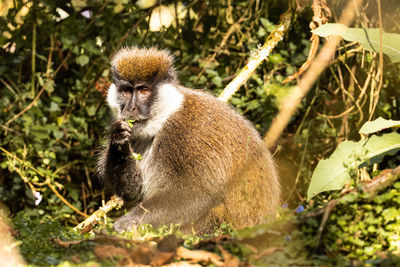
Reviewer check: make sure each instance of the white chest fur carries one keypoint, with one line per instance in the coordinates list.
(149, 173)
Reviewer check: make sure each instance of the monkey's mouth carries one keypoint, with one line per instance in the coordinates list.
(131, 122)
(135, 122)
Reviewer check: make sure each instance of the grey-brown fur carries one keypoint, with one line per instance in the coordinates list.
(205, 165)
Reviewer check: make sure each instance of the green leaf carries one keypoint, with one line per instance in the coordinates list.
(236, 101)
(217, 81)
(39, 133)
(78, 4)
(130, 122)
(58, 134)
(137, 156)
(276, 58)
(378, 125)
(253, 104)
(391, 214)
(54, 107)
(49, 86)
(268, 25)
(334, 173)
(82, 60)
(91, 110)
(369, 38)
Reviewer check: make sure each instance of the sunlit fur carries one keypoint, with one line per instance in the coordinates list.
(203, 163)
(138, 64)
(112, 101)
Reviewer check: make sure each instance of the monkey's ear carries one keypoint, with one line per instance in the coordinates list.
(112, 100)
(114, 73)
(171, 75)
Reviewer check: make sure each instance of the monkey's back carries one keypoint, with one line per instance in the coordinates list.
(226, 159)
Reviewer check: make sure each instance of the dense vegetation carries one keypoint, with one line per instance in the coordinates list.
(54, 74)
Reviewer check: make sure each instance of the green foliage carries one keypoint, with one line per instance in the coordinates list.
(363, 228)
(369, 38)
(39, 246)
(60, 76)
(335, 172)
(378, 125)
(359, 231)
(46, 242)
(55, 70)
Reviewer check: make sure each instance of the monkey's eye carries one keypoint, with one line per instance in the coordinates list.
(126, 90)
(143, 90)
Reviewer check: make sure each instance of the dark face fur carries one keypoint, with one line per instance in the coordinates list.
(135, 99)
(140, 90)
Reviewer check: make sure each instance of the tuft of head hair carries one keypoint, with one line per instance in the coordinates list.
(143, 64)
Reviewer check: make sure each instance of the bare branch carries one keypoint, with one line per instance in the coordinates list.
(258, 57)
(290, 104)
(114, 202)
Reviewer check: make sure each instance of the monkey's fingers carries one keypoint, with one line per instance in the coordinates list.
(120, 126)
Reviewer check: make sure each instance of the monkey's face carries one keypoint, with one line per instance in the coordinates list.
(144, 89)
(137, 73)
(134, 100)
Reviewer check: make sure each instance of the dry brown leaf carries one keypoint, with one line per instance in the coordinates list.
(230, 260)
(160, 258)
(267, 252)
(142, 254)
(106, 251)
(169, 243)
(182, 264)
(75, 259)
(199, 256)
(66, 244)
(209, 244)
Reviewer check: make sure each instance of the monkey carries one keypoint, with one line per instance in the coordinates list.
(202, 163)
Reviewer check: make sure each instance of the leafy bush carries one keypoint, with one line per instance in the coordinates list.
(55, 72)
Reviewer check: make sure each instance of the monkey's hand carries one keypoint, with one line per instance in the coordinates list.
(124, 223)
(120, 132)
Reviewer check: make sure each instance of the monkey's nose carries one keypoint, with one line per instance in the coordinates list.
(129, 107)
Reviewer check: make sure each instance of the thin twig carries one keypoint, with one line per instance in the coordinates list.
(33, 66)
(225, 39)
(50, 57)
(130, 31)
(7, 129)
(328, 209)
(321, 62)
(321, 15)
(299, 169)
(8, 86)
(114, 202)
(377, 93)
(47, 181)
(16, 116)
(66, 201)
(258, 57)
(22, 161)
(63, 62)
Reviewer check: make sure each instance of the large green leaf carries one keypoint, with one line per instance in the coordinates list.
(369, 38)
(334, 173)
(378, 125)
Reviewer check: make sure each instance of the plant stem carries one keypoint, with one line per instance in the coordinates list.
(33, 58)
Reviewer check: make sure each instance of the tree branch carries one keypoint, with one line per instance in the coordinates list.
(114, 202)
(258, 57)
(290, 104)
